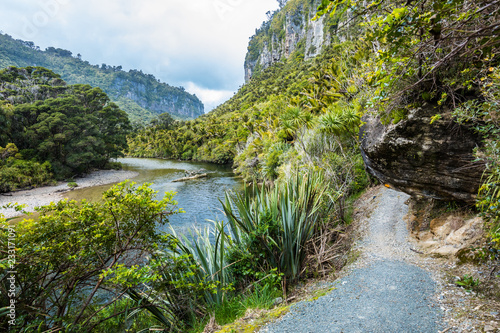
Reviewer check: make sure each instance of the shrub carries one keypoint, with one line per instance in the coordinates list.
(81, 258)
(270, 227)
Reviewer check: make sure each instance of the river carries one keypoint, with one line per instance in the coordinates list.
(199, 197)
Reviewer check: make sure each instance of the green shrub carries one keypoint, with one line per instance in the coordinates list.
(274, 225)
(113, 166)
(72, 185)
(18, 174)
(94, 254)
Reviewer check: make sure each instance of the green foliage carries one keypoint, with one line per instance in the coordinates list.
(72, 185)
(75, 128)
(261, 296)
(209, 249)
(467, 282)
(79, 258)
(271, 227)
(341, 120)
(483, 115)
(16, 173)
(430, 50)
(151, 97)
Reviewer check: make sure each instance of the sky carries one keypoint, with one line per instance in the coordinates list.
(197, 44)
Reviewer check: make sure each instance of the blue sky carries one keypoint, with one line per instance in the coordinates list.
(197, 44)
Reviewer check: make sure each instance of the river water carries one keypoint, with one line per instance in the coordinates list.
(199, 197)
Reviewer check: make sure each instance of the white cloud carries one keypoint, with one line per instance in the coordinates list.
(211, 98)
(178, 41)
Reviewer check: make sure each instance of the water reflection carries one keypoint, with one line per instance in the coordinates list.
(199, 197)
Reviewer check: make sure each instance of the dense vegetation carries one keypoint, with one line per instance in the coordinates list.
(141, 95)
(445, 53)
(95, 267)
(295, 126)
(48, 128)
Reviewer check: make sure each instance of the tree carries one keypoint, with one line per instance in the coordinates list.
(79, 259)
(164, 121)
(76, 128)
(430, 50)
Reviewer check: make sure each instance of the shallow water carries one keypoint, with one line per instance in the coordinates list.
(199, 197)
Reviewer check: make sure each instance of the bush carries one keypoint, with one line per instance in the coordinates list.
(271, 227)
(94, 254)
(113, 166)
(17, 174)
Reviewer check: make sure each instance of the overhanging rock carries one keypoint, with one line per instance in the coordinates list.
(423, 159)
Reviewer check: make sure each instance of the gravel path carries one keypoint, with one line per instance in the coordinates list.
(384, 291)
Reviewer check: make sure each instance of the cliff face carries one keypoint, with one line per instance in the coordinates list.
(156, 97)
(290, 30)
(423, 159)
(141, 95)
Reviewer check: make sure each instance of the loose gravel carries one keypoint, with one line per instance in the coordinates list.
(384, 291)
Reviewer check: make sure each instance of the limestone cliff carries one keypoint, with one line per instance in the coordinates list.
(139, 94)
(154, 96)
(292, 29)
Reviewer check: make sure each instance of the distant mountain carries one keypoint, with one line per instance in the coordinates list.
(141, 95)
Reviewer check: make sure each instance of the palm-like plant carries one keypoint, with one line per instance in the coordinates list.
(292, 206)
(340, 120)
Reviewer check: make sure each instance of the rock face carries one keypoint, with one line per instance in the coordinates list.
(423, 159)
(298, 30)
(139, 94)
(156, 97)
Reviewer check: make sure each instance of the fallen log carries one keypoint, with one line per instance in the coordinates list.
(183, 179)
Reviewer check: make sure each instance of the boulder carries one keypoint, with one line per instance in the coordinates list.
(423, 159)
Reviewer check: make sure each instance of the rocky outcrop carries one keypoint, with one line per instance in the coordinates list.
(139, 94)
(298, 32)
(157, 97)
(441, 232)
(423, 159)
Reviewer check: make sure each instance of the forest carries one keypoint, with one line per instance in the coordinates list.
(50, 130)
(293, 129)
(150, 97)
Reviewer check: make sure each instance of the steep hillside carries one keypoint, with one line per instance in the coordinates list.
(289, 30)
(141, 95)
(295, 81)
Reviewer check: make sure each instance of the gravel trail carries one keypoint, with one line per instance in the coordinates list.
(384, 291)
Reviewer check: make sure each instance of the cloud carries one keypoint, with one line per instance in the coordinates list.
(211, 98)
(199, 41)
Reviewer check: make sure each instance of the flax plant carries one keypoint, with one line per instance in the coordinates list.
(283, 220)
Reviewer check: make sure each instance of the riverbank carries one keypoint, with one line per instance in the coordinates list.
(45, 195)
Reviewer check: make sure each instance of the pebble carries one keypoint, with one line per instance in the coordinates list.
(45, 195)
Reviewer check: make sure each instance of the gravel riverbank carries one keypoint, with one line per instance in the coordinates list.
(45, 195)
(385, 290)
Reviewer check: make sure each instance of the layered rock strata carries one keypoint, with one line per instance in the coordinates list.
(421, 158)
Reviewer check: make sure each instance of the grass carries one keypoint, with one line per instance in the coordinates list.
(238, 306)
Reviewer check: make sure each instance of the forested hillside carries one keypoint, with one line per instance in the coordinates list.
(400, 71)
(266, 117)
(141, 95)
(51, 130)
